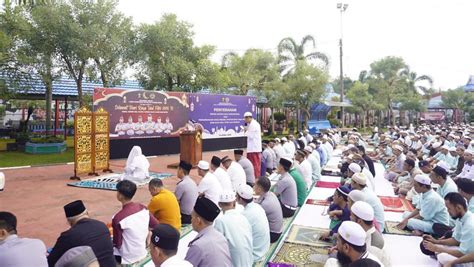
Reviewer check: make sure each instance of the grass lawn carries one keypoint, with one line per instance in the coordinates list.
(15, 158)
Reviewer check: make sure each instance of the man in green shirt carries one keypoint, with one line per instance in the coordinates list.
(300, 185)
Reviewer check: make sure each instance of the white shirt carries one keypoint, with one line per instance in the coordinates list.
(289, 148)
(175, 261)
(224, 179)
(211, 187)
(279, 151)
(135, 232)
(254, 137)
(237, 175)
(307, 172)
(467, 171)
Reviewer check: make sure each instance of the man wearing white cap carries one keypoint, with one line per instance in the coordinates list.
(255, 214)
(397, 167)
(314, 162)
(363, 214)
(279, 150)
(288, 146)
(209, 185)
(452, 158)
(441, 155)
(468, 169)
(429, 210)
(235, 172)
(236, 229)
(359, 182)
(254, 142)
(351, 247)
(354, 196)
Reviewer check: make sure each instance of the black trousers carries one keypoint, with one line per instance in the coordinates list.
(185, 219)
(286, 211)
(274, 237)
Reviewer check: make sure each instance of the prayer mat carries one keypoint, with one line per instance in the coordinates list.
(286, 224)
(325, 184)
(109, 181)
(396, 204)
(391, 228)
(331, 172)
(319, 202)
(185, 229)
(306, 235)
(301, 255)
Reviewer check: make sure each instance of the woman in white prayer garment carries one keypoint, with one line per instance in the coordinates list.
(137, 166)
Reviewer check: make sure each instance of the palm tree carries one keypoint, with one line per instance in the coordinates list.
(416, 83)
(289, 52)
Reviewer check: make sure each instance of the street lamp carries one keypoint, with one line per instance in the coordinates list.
(342, 7)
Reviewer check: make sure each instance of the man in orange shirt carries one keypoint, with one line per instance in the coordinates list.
(164, 205)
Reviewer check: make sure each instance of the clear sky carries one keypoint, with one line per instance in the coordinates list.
(434, 37)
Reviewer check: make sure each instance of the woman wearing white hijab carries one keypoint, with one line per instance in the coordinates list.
(137, 166)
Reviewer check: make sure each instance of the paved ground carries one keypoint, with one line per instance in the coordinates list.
(37, 195)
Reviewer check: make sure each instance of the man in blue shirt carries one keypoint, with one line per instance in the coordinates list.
(257, 218)
(462, 241)
(429, 210)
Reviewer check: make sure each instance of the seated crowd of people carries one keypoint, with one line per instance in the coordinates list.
(238, 213)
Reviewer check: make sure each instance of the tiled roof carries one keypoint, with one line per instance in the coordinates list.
(67, 87)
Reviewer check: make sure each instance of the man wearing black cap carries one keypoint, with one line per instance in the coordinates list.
(210, 247)
(285, 188)
(164, 246)
(246, 165)
(83, 232)
(221, 174)
(186, 192)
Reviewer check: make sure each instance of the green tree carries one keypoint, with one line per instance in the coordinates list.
(290, 53)
(336, 85)
(362, 101)
(39, 48)
(111, 44)
(387, 83)
(252, 70)
(418, 84)
(458, 100)
(411, 102)
(306, 86)
(14, 73)
(168, 59)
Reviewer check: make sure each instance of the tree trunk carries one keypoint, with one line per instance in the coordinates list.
(170, 83)
(79, 92)
(273, 119)
(49, 100)
(103, 75)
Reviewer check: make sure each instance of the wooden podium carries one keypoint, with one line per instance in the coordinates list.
(190, 147)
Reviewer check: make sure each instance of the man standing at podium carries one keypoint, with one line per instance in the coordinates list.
(254, 142)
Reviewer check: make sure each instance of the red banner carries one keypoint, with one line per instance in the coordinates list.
(433, 115)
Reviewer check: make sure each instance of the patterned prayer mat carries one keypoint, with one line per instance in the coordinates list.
(109, 181)
(185, 229)
(324, 184)
(319, 202)
(286, 224)
(301, 255)
(306, 235)
(396, 204)
(391, 228)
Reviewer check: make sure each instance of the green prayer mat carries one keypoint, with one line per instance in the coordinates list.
(391, 228)
(307, 235)
(302, 255)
